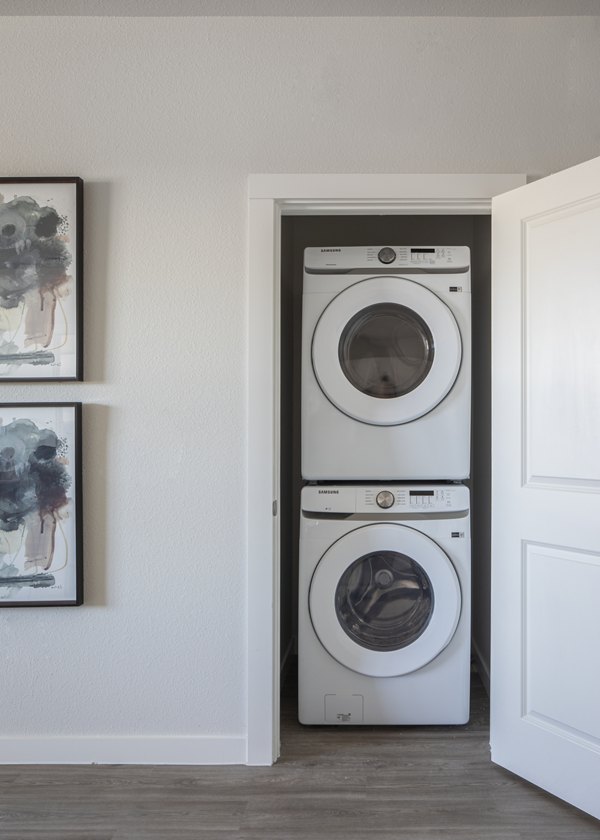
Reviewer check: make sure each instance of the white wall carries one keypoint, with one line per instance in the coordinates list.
(164, 119)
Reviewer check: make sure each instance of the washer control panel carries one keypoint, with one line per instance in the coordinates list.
(406, 499)
(434, 259)
(388, 498)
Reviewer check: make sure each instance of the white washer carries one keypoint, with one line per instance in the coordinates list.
(384, 604)
(386, 363)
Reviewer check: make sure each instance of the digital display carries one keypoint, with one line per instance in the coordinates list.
(422, 250)
(421, 493)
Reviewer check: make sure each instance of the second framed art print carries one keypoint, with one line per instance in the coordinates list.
(40, 505)
(41, 243)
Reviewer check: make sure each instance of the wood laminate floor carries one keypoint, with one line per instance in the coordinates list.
(332, 783)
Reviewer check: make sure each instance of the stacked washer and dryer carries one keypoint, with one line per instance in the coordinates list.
(385, 567)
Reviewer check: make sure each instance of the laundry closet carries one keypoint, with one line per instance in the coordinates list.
(329, 231)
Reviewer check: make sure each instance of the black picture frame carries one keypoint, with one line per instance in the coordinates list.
(41, 279)
(41, 505)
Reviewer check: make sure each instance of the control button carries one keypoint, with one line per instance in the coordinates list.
(387, 255)
(385, 499)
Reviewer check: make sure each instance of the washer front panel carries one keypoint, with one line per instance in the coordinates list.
(435, 346)
(444, 599)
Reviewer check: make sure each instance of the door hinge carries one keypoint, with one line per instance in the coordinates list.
(275, 508)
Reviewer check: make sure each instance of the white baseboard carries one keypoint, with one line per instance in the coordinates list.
(179, 749)
(483, 667)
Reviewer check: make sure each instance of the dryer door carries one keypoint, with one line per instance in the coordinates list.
(386, 351)
(384, 600)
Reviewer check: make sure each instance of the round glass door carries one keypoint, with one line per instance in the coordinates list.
(384, 600)
(386, 351)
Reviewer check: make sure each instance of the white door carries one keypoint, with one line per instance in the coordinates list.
(545, 678)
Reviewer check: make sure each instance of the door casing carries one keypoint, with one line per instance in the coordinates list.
(269, 198)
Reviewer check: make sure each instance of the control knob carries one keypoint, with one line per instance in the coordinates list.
(387, 255)
(385, 499)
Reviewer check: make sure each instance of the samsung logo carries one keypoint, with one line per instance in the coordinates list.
(330, 492)
(331, 250)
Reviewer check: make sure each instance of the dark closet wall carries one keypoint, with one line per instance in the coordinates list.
(300, 232)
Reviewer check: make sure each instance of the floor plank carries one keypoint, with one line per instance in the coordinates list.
(331, 783)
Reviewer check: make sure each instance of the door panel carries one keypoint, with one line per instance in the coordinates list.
(557, 694)
(545, 677)
(562, 345)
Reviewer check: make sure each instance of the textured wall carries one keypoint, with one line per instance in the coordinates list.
(164, 119)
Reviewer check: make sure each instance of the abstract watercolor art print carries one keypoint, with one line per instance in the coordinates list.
(40, 278)
(40, 505)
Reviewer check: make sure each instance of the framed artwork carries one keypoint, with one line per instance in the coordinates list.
(41, 239)
(40, 505)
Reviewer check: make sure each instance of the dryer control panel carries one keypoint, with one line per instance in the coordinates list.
(432, 259)
(385, 498)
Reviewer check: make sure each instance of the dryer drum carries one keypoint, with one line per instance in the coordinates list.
(386, 350)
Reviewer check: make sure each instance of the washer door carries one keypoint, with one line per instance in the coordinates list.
(384, 600)
(386, 351)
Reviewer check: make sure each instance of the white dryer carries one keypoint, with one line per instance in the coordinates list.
(384, 604)
(386, 363)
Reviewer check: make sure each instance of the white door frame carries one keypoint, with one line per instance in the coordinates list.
(270, 197)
